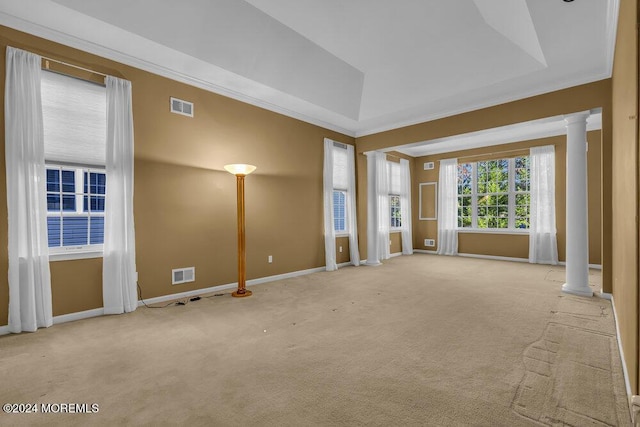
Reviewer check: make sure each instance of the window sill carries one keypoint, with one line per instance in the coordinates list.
(395, 230)
(69, 256)
(493, 231)
(342, 234)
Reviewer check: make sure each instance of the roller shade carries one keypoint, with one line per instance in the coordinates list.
(340, 168)
(74, 114)
(395, 186)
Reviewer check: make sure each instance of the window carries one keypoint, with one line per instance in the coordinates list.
(494, 194)
(75, 207)
(340, 188)
(394, 205)
(74, 118)
(339, 211)
(395, 189)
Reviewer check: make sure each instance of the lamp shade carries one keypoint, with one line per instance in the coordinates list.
(239, 169)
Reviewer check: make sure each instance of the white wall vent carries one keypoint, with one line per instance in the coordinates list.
(429, 242)
(428, 166)
(183, 275)
(179, 106)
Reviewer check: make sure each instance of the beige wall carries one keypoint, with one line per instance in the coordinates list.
(625, 185)
(342, 255)
(184, 202)
(517, 246)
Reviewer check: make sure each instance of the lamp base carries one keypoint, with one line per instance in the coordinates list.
(241, 293)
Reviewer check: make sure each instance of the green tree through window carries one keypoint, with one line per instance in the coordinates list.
(494, 194)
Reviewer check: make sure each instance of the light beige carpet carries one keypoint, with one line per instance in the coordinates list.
(420, 340)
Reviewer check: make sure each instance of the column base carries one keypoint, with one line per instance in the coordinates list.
(583, 292)
(241, 293)
(377, 263)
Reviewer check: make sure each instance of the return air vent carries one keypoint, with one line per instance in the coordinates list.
(183, 275)
(179, 106)
(429, 242)
(428, 166)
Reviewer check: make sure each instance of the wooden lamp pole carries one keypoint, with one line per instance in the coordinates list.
(240, 171)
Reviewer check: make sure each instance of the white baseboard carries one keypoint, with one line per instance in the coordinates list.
(501, 258)
(233, 285)
(624, 365)
(344, 264)
(594, 266)
(605, 295)
(497, 258)
(395, 254)
(4, 330)
(63, 318)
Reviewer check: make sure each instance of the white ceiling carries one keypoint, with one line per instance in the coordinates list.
(358, 66)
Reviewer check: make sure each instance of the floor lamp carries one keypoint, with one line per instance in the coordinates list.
(240, 171)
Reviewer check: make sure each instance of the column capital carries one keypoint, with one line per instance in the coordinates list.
(582, 116)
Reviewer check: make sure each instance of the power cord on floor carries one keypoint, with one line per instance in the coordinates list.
(179, 302)
(185, 302)
(217, 295)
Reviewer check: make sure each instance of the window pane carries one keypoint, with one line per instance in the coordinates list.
(394, 203)
(75, 231)
(522, 178)
(53, 231)
(464, 178)
(69, 203)
(68, 181)
(96, 234)
(53, 202)
(98, 183)
(339, 209)
(97, 203)
(53, 180)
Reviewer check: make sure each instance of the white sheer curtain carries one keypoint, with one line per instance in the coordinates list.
(29, 275)
(119, 265)
(339, 173)
(354, 252)
(543, 245)
(448, 207)
(372, 210)
(382, 197)
(405, 207)
(329, 230)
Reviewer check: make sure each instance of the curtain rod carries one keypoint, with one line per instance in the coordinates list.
(70, 65)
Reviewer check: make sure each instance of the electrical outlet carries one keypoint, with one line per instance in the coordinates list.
(389, 242)
(340, 249)
(270, 259)
(429, 242)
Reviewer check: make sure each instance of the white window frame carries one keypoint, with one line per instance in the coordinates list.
(511, 193)
(345, 232)
(63, 253)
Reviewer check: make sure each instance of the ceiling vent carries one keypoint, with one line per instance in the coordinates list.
(179, 106)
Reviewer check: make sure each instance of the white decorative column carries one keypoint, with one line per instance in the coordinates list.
(372, 211)
(577, 238)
